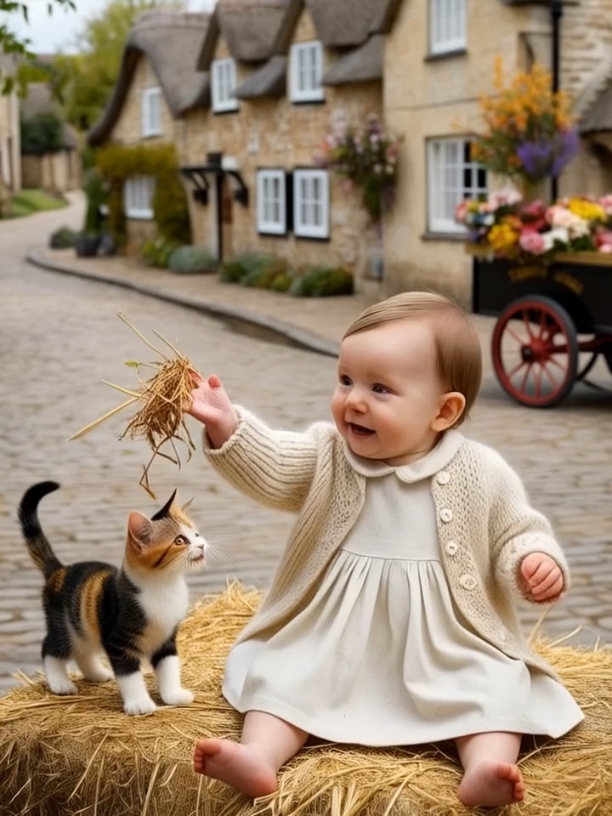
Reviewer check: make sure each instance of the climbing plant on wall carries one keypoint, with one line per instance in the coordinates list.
(117, 163)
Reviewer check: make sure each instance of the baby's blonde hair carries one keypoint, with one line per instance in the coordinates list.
(458, 354)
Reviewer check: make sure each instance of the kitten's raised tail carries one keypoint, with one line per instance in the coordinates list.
(37, 542)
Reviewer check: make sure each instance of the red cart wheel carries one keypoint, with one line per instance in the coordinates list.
(535, 351)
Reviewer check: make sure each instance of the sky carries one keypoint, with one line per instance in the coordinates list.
(57, 32)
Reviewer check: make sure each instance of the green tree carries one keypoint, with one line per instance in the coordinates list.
(10, 43)
(88, 78)
(42, 133)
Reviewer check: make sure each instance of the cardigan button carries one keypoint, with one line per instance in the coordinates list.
(446, 515)
(451, 548)
(443, 477)
(468, 581)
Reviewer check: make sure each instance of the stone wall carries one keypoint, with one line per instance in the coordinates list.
(10, 142)
(586, 42)
(274, 133)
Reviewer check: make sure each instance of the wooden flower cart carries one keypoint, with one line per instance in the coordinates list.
(548, 315)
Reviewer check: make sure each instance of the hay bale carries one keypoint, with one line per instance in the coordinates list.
(63, 756)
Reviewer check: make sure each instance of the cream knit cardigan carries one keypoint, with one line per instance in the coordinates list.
(485, 523)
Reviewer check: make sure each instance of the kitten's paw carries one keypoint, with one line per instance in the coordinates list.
(61, 685)
(98, 674)
(141, 705)
(180, 697)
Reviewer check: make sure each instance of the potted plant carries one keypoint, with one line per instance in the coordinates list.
(87, 241)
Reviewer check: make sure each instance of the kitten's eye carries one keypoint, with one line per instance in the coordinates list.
(180, 540)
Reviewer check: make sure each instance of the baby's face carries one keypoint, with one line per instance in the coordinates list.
(388, 393)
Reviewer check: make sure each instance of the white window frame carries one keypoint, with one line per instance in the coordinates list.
(447, 26)
(267, 201)
(151, 112)
(138, 192)
(446, 183)
(305, 227)
(223, 85)
(306, 58)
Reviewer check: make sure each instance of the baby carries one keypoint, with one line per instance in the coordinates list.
(390, 619)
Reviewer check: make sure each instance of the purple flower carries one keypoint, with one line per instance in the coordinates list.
(548, 158)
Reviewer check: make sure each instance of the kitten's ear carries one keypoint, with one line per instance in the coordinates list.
(165, 511)
(186, 506)
(139, 530)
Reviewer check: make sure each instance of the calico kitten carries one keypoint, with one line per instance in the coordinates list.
(93, 608)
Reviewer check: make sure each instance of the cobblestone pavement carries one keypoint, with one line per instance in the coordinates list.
(59, 337)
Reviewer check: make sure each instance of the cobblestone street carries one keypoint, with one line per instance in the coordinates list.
(60, 336)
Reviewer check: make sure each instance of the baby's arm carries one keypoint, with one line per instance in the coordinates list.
(526, 555)
(275, 468)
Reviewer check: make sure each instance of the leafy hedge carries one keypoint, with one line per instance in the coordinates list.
(270, 272)
(42, 133)
(117, 163)
(192, 259)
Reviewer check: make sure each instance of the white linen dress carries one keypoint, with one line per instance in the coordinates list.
(382, 656)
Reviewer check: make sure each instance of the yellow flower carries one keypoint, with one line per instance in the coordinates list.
(502, 236)
(587, 209)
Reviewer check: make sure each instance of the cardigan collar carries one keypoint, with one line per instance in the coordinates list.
(434, 461)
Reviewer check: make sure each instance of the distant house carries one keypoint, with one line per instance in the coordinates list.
(158, 84)
(264, 81)
(283, 73)
(57, 170)
(10, 167)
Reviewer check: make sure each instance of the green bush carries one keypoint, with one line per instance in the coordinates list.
(232, 272)
(96, 193)
(157, 253)
(189, 259)
(42, 133)
(282, 282)
(63, 238)
(263, 275)
(322, 281)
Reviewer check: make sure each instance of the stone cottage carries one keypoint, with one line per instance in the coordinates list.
(10, 166)
(57, 171)
(447, 49)
(158, 83)
(283, 74)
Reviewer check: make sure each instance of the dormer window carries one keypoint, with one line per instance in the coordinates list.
(448, 26)
(150, 110)
(223, 84)
(306, 72)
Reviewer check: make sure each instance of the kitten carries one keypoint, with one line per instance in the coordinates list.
(93, 608)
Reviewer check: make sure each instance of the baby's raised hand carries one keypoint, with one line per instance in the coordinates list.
(211, 405)
(541, 578)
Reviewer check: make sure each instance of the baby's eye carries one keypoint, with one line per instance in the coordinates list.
(180, 540)
(380, 389)
(344, 380)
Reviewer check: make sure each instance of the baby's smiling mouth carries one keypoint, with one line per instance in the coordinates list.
(360, 430)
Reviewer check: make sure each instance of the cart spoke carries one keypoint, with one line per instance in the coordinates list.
(553, 382)
(513, 334)
(527, 323)
(552, 360)
(517, 369)
(526, 378)
(537, 374)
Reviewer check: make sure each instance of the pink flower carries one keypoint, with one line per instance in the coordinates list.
(532, 242)
(606, 203)
(461, 211)
(607, 248)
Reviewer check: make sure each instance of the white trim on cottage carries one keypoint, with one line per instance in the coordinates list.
(150, 110)
(447, 26)
(223, 85)
(138, 194)
(306, 72)
(452, 176)
(271, 202)
(311, 203)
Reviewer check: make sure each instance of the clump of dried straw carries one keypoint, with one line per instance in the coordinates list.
(63, 756)
(164, 396)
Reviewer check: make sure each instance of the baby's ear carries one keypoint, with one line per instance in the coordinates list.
(139, 531)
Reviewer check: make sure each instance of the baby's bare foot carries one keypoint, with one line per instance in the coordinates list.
(245, 767)
(490, 784)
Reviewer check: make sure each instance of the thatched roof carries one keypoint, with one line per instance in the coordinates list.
(363, 64)
(270, 80)
(171, 41)
(249, 27)
(342, 23)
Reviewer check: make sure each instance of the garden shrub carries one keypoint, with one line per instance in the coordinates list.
(189, 259)
(232, 272)
(63, 238)
(262, 276)
(282, 282)
(117, 163)
(322, 281)
(157, 253)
